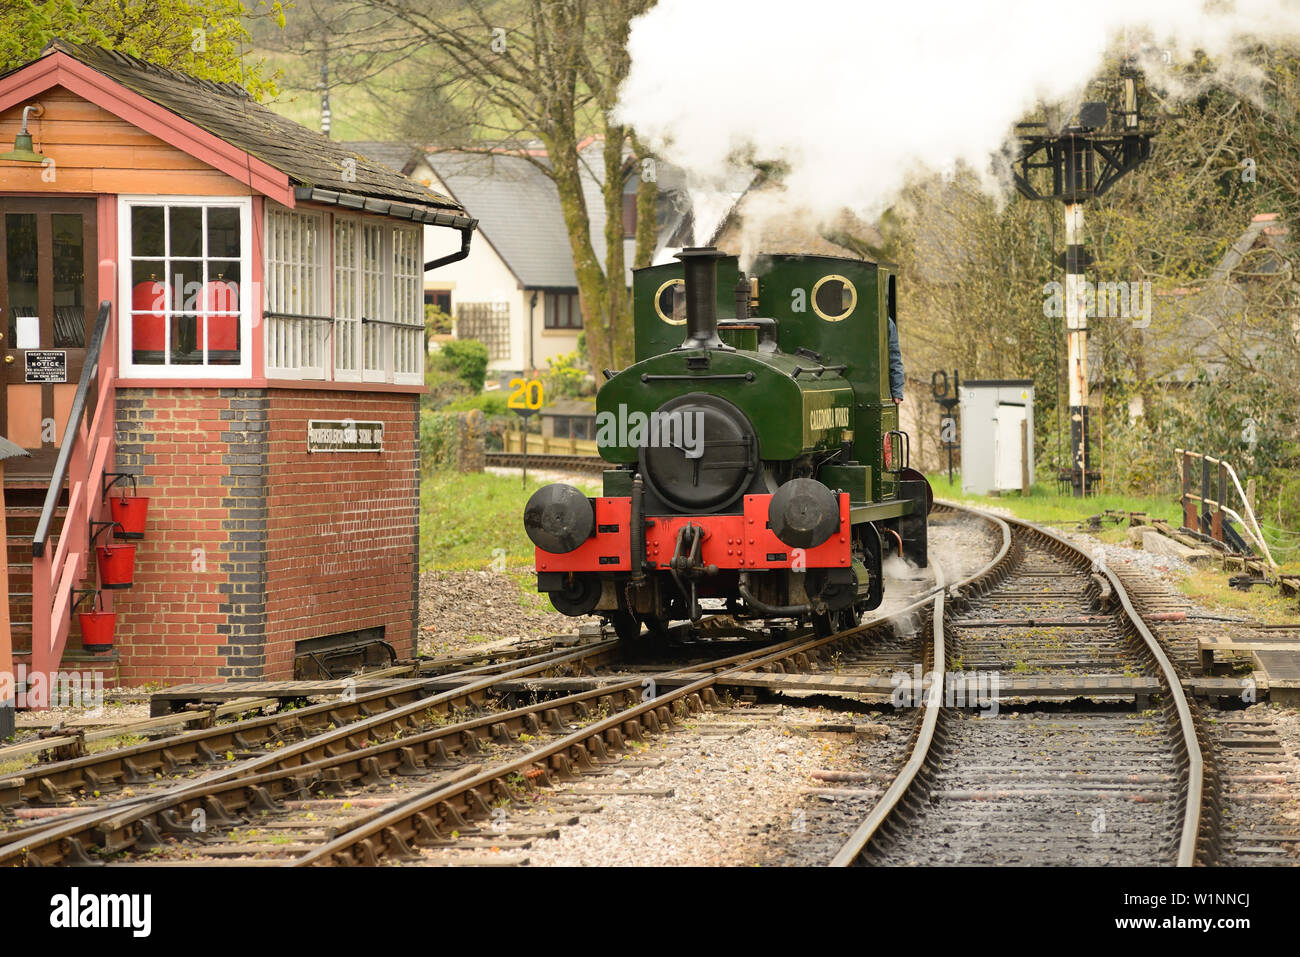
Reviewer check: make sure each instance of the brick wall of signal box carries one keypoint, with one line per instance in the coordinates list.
(253, 543)
(343, 527)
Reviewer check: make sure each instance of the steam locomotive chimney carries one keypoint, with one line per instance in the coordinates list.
(742, 297)
(701, 267)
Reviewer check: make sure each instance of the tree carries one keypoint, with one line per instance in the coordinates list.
(497, 77)
(205, 38)
(1214, 366)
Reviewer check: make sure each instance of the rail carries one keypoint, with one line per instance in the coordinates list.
(1192, 832)
(83, 455)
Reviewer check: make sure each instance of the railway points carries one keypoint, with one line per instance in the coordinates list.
(463, 760)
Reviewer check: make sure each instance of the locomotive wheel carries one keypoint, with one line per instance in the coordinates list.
(626, 625)
(578, 597)
(873, 558)
(827, 624)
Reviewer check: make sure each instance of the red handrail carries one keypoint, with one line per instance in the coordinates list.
(84, 456)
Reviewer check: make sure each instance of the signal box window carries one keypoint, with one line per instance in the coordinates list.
(188, 308)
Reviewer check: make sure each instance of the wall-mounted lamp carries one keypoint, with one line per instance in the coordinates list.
(22, 151)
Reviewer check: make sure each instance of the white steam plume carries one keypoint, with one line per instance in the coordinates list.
(858, 97)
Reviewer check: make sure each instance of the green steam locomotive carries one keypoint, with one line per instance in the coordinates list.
(755, 453)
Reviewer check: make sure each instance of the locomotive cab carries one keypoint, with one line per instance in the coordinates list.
(755, 453)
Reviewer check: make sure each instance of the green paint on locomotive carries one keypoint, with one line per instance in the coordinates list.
(790, 416)
(833, 307)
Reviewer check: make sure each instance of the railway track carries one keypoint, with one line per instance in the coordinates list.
(457, 761)
(137, 792)
(553, 463)
(411, 772)
(1085, 781)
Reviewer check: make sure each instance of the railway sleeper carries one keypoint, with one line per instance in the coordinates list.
(562, 768)
(136, 773)
(477, 805)
(52, 793)
(426, 832)
(436, 756)
(372, 774)
(538, 777)
(331, 782)
(581, 758)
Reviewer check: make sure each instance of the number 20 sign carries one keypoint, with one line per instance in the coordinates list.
(525, 396)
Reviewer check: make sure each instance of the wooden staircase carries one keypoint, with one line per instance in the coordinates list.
(23, 502)
(47, 534)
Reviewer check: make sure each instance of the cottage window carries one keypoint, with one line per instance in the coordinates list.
(186, 307)
(563, 311)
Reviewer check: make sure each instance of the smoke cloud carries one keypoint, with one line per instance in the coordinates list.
(856, 98)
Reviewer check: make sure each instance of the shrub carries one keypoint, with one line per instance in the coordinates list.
(468, 358)
(491, 404)
(565, 377)
(437, 440)
(436, 322)
(444, 384)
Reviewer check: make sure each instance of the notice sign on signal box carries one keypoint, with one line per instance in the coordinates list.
(46, 365)
(345, 436)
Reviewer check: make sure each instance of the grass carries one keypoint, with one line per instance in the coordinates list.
(1209, 586)
(470, 521)
(1046, 506)
(1206, 585)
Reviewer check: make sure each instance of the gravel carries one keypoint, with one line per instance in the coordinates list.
(474, 610)
(738, 793)
(749, 785)
(1166, 567)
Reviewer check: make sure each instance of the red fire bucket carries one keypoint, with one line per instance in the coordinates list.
(116, 565)
(97, 630)
(129, 513)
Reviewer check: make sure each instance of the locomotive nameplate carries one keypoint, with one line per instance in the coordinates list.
(826, 411)
(345, 436)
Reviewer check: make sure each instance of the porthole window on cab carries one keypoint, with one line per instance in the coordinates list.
(834, 298)
(670, 302)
